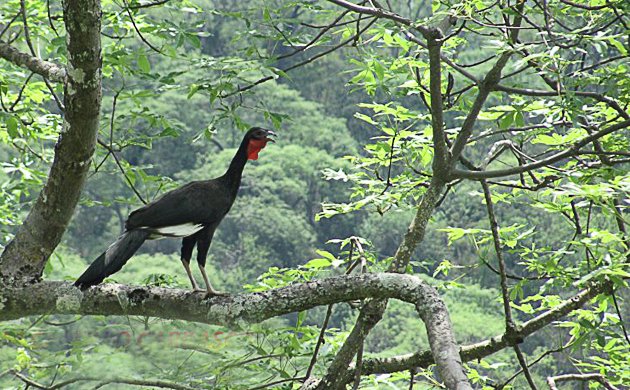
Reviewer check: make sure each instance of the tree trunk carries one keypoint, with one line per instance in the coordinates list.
(24, 258)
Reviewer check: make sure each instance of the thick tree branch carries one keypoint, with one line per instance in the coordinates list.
(113, 299)
(48, 70)
(440, 161)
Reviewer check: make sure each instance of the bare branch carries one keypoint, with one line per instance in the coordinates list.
(594, 95)
(551, 380)
(46, 69)
(384, 14)
(299, 64)
(568, 152)
(103, 382)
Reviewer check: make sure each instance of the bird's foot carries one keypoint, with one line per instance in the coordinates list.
(198, 289)
(215, 293)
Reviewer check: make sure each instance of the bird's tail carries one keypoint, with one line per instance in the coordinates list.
(113, 259)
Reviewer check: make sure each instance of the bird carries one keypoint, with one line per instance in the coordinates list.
(192, 212)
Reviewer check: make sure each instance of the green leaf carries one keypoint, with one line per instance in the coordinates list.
(622, 49)
(544, 139)
(326, 255)
(12, 127)
(143, 63)
(317, 264)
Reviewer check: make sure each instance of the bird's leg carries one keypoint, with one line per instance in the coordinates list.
(195, 286)
(203, 244)
(209, 289)
(188, 244)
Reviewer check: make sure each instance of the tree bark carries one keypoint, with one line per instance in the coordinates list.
(49, 70)
(234, 310)
(24, 258)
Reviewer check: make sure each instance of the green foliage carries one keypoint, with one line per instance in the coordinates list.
(353, 158)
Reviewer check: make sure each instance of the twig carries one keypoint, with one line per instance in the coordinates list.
(524, 367)
(357, 370)
(320, 342)
(538, 359)
(50, 21)
(323, 31)
(135, 27)
(19, 96)
(61, 323)
(122, 170)
(510, 326)
(27, 34)
(623, 326)
(388, 183)
(494, 227)
(27, 37)
(147, 5)
(586, 7)
(6, 27)
(299, 64)
(297, 379)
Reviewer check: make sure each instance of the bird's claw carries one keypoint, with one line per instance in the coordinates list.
(214, 293)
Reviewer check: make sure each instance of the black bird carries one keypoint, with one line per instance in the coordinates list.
(192, 211)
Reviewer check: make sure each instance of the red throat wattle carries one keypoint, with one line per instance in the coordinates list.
(255, 146)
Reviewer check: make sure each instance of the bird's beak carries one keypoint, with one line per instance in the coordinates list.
(270, 134)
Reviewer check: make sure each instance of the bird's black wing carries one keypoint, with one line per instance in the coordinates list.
(199, 202)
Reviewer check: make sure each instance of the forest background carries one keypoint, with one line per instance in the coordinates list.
(355, 113)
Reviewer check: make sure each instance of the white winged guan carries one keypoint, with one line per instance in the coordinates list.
(192, 212)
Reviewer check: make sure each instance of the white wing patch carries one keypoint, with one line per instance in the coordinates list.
(183, 230)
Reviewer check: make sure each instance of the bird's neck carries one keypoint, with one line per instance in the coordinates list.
(233, 175)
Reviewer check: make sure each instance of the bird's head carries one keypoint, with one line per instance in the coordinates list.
(257, 139)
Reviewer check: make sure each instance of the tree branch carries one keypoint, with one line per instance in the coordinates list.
(48, 70)
(114, 299)
(441, 160)
(102, 382)
(381, 13)
(551, 380)
(568, 152)
(594, 95)
(490, 346)
(485, 87)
